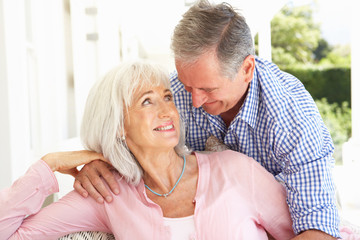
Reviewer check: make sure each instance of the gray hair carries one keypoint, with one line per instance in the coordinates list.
(107, 103)
(205, 27)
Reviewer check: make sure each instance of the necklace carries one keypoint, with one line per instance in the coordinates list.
(167, 194)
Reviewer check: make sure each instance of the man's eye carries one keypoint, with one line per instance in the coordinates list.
(189, 89)
(209, 90)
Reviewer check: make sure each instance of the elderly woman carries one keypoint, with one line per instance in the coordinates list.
(166, 192)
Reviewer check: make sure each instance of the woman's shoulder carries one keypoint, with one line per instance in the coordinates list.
(226, 162)
(226, 168)
(123, 184)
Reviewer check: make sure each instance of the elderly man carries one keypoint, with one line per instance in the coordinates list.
(221, 89)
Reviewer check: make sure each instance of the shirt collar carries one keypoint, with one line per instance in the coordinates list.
(249, 110)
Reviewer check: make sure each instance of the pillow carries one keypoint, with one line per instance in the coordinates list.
(88, 235)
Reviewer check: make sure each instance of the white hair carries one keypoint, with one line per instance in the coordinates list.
(103, 120)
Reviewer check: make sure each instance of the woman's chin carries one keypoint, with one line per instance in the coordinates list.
(167, 143)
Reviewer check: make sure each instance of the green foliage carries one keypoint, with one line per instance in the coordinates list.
(337, 119)
(322, 50)
(281, 57)
(332, 83)
(338, 56)
(296, 39)
(294, 35)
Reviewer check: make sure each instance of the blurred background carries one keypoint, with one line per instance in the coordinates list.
(51, 52)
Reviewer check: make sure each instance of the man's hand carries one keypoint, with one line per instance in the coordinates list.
(313, 235)
(88, 181)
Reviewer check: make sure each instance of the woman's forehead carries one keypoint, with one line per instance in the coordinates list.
(143, 89)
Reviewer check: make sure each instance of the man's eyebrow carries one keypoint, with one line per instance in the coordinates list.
(206, 89)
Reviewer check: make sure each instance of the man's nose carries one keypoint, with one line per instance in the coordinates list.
(198, 98)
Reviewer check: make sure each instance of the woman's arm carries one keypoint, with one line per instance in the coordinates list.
(26, 196)
(269, 197)
(66, 162)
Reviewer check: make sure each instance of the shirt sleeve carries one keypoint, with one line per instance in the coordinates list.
(21, 217)
(306, 153)
(269, 198)
(301, 146)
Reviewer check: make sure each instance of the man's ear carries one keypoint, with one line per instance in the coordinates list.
(247, 68)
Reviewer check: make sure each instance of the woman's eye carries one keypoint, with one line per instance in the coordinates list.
(169, 97)
(146, 102)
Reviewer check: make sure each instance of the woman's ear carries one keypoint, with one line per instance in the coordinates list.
(121, 135)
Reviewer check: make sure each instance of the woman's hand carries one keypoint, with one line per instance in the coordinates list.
(66, 162)
(88, 180)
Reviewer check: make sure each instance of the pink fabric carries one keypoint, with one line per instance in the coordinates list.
(236, 199)
(347, 234)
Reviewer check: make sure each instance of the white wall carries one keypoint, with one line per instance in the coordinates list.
(14, 127)
(4, 106)
(33, 83)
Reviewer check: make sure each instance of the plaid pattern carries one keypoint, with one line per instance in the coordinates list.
(280, 127)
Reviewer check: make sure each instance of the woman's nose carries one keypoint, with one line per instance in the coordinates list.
(165, 110)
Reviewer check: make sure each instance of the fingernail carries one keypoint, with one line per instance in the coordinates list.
(84, 194)
(100, 200)
(116, 191)
(108, 199)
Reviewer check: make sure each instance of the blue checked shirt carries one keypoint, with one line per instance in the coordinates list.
(280, 127)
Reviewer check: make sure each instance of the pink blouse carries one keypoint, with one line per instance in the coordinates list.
(236, 198)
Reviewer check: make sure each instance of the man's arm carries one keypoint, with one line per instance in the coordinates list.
(313, 234)
(307, 156)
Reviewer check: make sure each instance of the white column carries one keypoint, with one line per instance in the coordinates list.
(85, 55)
(14, 120)
(49, 83)
(108, 22)
(347, 176)
(264, 38)
(95, 44)
(351, 148)
(5, 169)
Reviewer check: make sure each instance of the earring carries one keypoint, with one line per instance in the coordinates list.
(120, 140)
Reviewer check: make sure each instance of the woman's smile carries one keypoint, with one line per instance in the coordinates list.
(165, 128)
